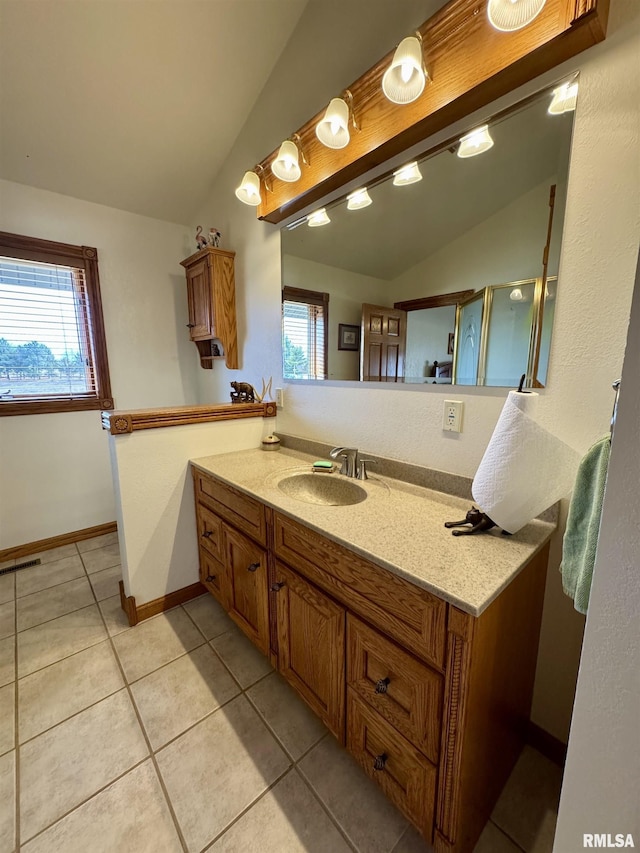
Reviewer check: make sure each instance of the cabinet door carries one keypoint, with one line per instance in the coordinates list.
(199, 300)
(247, 596)
(311, 646)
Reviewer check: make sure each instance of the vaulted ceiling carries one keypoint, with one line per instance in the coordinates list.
(134, 104)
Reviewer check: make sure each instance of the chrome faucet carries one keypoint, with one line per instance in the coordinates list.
(349, 460)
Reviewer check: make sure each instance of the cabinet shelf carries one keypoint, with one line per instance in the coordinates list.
(211, 296)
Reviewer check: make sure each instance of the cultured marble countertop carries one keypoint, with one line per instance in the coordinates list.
(399, 527)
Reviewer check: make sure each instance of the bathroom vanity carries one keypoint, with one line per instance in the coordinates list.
(417, 649)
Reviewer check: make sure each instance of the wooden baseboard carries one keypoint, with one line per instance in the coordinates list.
(57, 541)
(137, 613)
(555, 750)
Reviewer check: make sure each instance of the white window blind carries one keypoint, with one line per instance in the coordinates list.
(45, 332)
(304, 339)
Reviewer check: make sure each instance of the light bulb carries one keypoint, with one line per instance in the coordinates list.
(318, 218)
(249, 190)
(476, 142)
(409, 174)
(406, 70)
(359, 199)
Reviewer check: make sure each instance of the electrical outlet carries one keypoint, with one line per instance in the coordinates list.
(452, 416)
(280, 398)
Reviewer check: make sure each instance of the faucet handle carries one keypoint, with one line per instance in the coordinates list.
(362, 468)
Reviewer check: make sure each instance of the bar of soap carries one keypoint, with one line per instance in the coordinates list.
(321, 465)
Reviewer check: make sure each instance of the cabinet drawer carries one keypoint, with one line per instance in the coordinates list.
(210, 532)
(243, 512)
(405, 692)
(404, 611)
(212, 576)
(403, 773)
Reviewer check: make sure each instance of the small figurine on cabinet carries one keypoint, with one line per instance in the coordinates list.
(242, 392)
(201, 239)
(214, 238)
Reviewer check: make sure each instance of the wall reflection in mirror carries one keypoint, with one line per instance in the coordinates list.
(448, 271)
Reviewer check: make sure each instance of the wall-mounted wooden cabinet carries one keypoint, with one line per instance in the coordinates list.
(211, 296)
(433, 703)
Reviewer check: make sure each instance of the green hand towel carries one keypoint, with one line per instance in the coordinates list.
(583, 524)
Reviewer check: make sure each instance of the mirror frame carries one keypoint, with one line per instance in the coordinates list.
(502, 63)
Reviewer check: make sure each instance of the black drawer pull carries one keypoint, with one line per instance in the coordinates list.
(253, 567)
(381, 686)
(380, 761)
(277, 586)
(191, 325)
(207, 534)
(210, 578)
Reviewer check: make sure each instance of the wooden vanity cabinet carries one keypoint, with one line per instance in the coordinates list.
(433, 703)
(211, 300)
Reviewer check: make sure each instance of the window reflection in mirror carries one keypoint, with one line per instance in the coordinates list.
(467, 225)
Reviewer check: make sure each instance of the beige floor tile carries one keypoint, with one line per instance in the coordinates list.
(7, 619)
(494, 840)
(114, 616)
(296, 727)
(7, 586)
(50, 695)
(413, 842)
(50, 642)
(69, 763)
(50, 603)
(8, 801)
(106, 583)
(155, 642)
(208, 616)
(528, 806)
(216, 769)
(54, 554)
(173, 698)
(7, 660)
(97, 542)
(288, 818)
(48, 575)
(366, 816)
(246, 663)
(130, 815)
(7, 718)
(101, 558)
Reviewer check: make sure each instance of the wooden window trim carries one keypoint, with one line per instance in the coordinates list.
(311, 297)
(83, 257)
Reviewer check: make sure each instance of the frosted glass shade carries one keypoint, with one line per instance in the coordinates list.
(564, 99)
(286, 166)
(409, 174)
(359, 199)
(476, 142)
(510, 15)
(318, 218)
(404, 79)
(249, 190)
(516, 295)
(333, 129)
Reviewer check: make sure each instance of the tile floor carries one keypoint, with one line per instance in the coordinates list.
(177, 735)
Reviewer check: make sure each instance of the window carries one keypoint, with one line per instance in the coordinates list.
(305, 318)
(53, 354)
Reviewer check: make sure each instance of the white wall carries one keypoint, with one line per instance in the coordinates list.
(602, 774)
(347, 291)
(156, 510)
(601, 230)
(428, 339)
(54, 468)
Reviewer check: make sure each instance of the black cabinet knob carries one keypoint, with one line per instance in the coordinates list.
(380, 761)
(253, 567)
(210, 578)
(191, 325)
(277, 586)
(381, 686)
(207, 534)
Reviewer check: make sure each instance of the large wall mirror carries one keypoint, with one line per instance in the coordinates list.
(439, 274)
